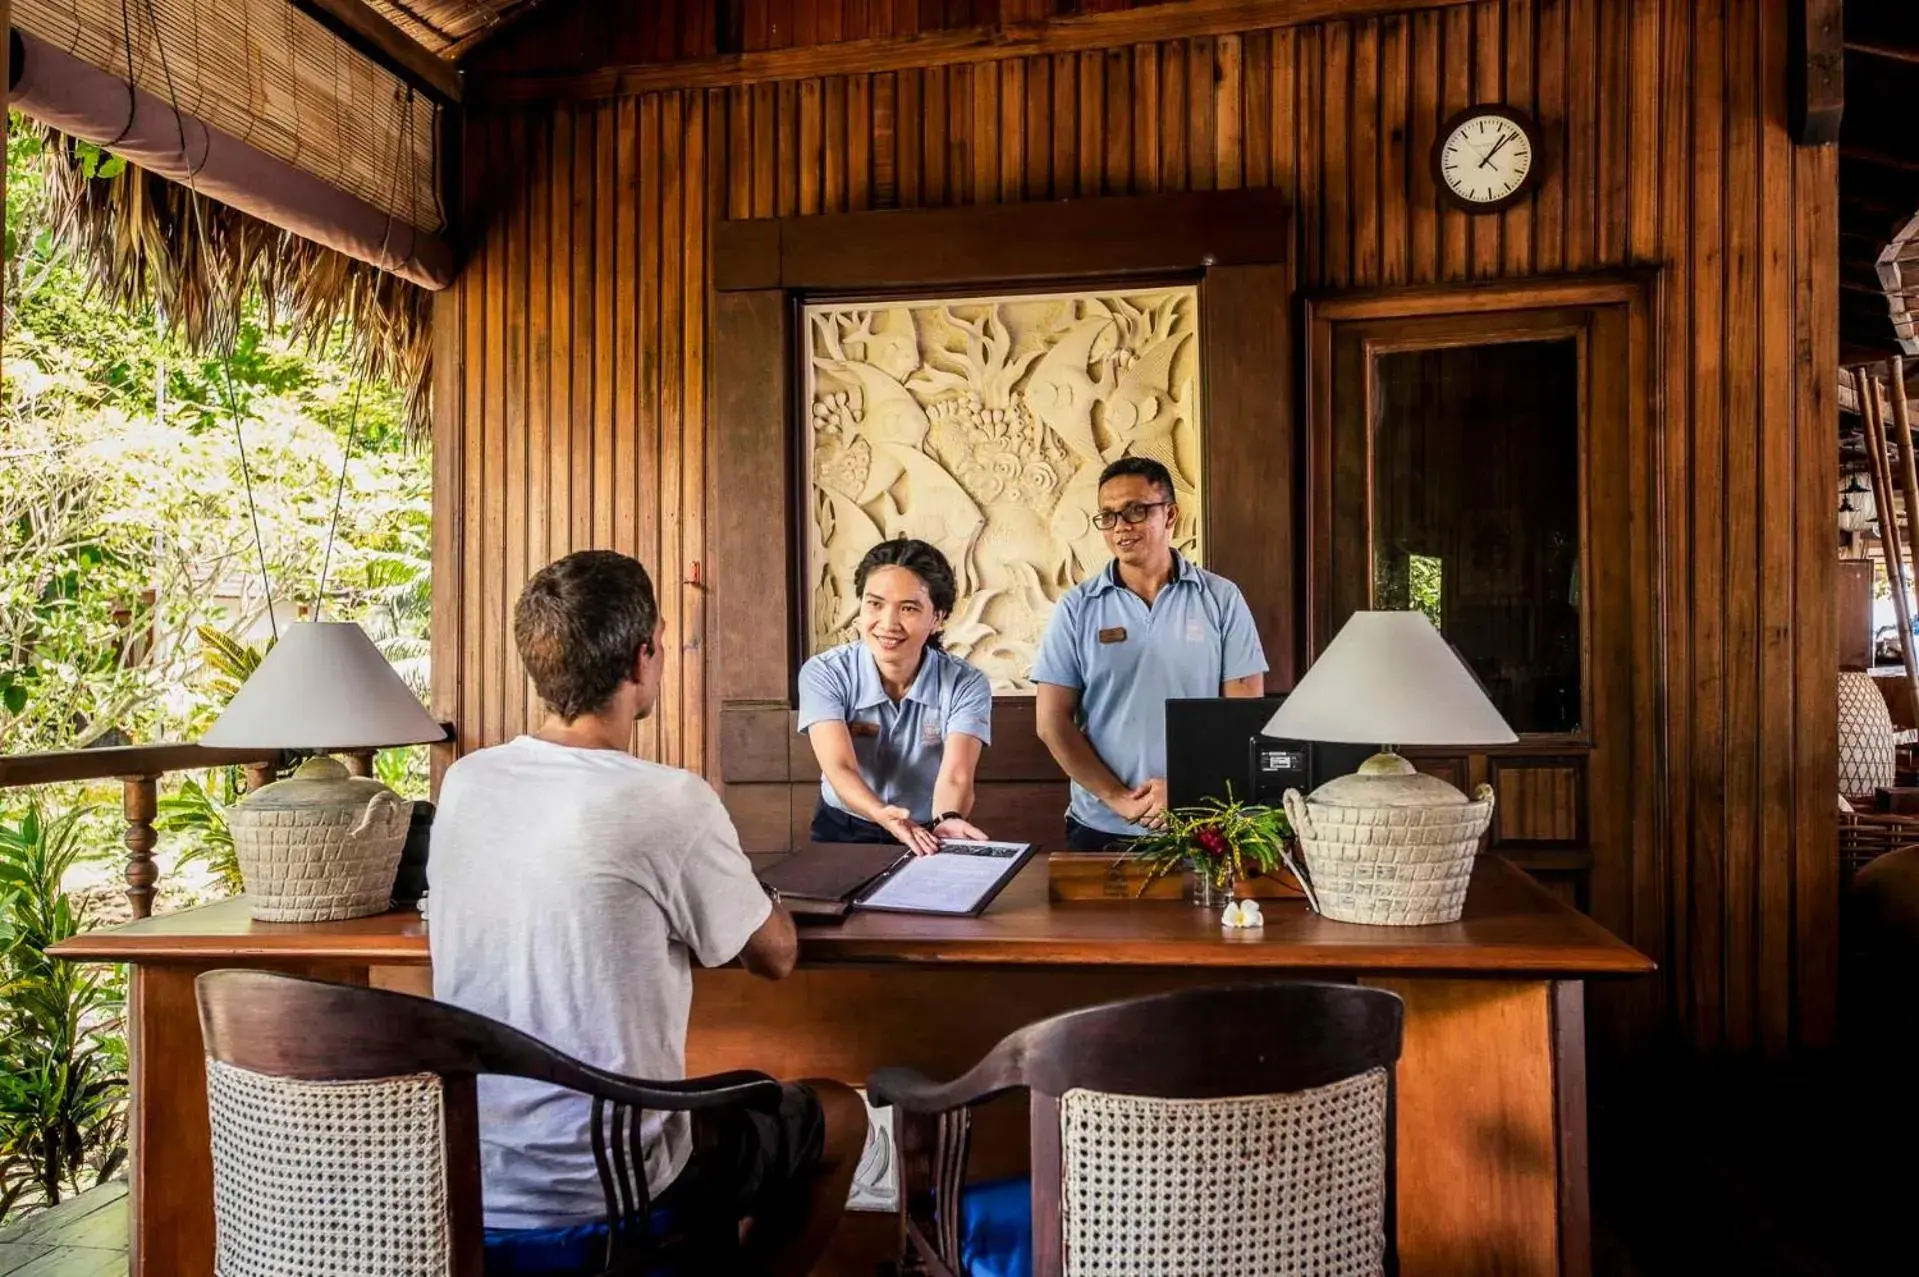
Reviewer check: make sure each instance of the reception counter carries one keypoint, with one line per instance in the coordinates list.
(1491, 1113)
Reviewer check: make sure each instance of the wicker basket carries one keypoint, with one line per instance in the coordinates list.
(320, 846)
(1403, 866)
(1865, 836)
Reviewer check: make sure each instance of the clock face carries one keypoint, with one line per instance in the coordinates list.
(1486, 158)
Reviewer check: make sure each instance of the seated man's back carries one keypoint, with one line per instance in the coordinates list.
(569, 887)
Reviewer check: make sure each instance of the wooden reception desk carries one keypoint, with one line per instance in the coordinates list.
(1492, 1123)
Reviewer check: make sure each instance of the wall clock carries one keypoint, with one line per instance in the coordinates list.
(1486, 157)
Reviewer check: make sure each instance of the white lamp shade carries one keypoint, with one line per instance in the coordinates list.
(323, 686)
(1388, 678)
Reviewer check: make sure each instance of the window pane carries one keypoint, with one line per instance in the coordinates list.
(1476, 514)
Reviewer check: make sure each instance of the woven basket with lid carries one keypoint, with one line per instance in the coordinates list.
(1393, 851)
(320, 845)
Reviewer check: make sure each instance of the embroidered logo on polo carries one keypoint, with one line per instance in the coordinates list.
(930, 733)
(1195, 630)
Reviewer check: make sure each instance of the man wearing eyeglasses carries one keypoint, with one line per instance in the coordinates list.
(1148, 627)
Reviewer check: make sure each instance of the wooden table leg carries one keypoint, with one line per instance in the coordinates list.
(1478, 1152)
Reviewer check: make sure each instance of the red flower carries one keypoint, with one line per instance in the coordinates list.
(1211, 841)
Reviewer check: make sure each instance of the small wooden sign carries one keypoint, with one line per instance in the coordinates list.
(1104, 875)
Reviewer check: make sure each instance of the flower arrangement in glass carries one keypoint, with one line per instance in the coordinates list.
(1221, 843)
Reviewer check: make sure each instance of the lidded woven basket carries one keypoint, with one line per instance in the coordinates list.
(1402, 862)
(320, 845)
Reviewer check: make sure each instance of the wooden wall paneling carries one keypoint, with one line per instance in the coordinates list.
(1549, 74)
(1335, 157)
(1456, 93)
(1395, 126)
(747, 453)
(1706, 882)
(660, 376)
(1423, 108)
(1741, 495)
(1256, 112)
(834, 191)
(1777, 459)
(1616, 74)
(1542, 801)
(1172, 116)
(1202, 159)
(514, 377)
(540, 449)
(1580, 163)
(1516, 223)
(1814, 851)
(492, 490)
(1363, 153)
(1228, 124)
(1252, 518)
(447, 701)
(1488, 85)
(1038, 117)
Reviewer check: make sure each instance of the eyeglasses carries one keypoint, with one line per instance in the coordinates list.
(1133, 512)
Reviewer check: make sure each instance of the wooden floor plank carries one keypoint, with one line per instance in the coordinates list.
(17, 1255)
(83, 1237)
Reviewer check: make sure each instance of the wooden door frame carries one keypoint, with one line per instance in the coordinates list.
(1622, 818)
(1237, 245)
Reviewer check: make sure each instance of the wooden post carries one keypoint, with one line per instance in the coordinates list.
(359, 762)
(139, 803)
(1883, 502)
(1902, 424)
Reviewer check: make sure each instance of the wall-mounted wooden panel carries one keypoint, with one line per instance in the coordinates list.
(579, 331)
(1541, 802)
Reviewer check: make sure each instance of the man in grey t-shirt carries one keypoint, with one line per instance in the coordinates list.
(572, 887)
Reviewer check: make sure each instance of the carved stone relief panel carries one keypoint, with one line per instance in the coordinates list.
(981, 425)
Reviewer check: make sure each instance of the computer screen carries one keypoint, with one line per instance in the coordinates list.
(1215, 748)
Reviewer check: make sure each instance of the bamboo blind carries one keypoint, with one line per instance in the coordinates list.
(270, 76)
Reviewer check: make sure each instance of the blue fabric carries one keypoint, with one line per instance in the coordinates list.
(899, 746)
(550, 1252)
(996, 1229)
(1198, 635)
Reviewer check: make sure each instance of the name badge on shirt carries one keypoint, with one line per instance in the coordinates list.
(930, 733)
(1113, 634)
(1195, 630)
(860, 727)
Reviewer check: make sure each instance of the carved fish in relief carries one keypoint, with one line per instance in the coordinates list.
(1072, 525)
(1141, 413)
(1061, 394)
(844, 536)
(934, 507)
(888, 412)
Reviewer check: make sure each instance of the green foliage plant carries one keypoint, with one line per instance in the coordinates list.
(62, 1055)
(1220, 841)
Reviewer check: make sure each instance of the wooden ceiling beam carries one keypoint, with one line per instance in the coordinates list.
(388, 47)
(1878, 159)
(474, 40)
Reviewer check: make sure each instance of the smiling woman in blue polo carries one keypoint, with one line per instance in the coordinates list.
(896, 723)
(1147, 627)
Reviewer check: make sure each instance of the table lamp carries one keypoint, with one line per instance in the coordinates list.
(321, 845)
(1389, 844)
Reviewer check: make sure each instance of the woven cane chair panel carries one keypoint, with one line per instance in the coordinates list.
(327, 1179)
(1254, 1186)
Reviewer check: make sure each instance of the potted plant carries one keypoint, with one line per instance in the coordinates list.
(1221, 844)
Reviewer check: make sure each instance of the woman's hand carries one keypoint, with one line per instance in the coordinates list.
(954, 827)
(916, 837)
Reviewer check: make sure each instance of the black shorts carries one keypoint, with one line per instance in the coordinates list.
(747, 1164)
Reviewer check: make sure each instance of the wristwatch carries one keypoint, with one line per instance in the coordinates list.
(945, 816)
(772, 892)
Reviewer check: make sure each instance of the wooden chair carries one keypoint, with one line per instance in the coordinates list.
(346, 1133)
(1224, 1131)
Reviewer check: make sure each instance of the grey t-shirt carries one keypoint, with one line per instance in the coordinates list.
(568, 887)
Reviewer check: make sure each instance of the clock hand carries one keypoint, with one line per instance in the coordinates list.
(1487, 158)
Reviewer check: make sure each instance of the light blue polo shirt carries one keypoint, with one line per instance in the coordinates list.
(1127, 660)
(899, 746)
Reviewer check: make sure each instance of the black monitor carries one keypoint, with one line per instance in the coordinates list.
(1216, 746)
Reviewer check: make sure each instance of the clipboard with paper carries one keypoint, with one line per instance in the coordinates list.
(960, 881)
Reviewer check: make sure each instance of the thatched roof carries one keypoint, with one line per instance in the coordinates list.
(144, 244)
